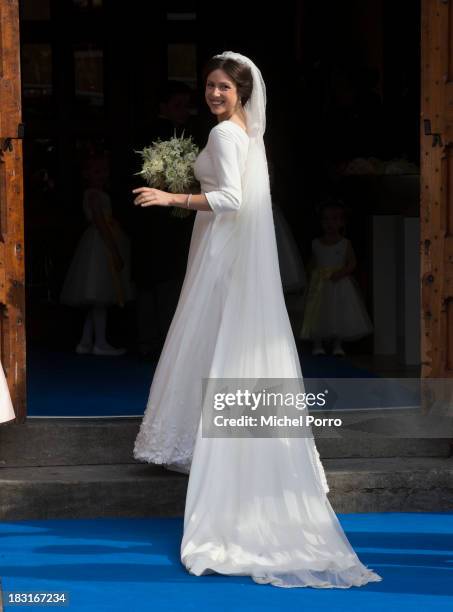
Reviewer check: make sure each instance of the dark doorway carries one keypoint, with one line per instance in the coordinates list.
(343, 122)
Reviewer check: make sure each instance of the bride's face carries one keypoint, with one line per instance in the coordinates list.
(221, 94)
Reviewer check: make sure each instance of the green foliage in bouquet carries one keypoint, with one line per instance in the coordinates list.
(168, 165)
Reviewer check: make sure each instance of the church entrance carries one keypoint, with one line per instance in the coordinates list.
(86, 80)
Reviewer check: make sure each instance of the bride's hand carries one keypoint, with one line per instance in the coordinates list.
(147, 196)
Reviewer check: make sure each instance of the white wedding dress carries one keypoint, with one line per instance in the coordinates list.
(255, 506)
(6, 407)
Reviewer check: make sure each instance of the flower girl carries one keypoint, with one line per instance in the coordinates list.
(334, 309)
(99, 274)
(6, 407)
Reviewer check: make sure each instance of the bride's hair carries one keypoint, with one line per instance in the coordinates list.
(239, 73)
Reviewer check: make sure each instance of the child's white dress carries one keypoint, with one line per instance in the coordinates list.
(92, 278)
(333, 309)
(6, 407)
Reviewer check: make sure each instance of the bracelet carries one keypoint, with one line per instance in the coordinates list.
(188, 200)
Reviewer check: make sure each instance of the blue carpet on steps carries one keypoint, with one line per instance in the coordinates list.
(65, 384)
(133, 565)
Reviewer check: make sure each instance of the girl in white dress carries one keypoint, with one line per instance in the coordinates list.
(255, 506)
(334, 310)
(99, 273)
(6, 406)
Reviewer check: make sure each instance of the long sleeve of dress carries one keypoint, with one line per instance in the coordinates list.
(224, 151)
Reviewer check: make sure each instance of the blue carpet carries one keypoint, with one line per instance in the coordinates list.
(65, 384)
(133, 565)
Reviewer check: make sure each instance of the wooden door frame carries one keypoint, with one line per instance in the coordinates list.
(12, 273)
(436, 202)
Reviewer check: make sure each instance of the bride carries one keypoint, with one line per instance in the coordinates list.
(255, 506)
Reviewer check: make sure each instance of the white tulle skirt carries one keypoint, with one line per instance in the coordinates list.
(6, 407)
(266, 516)
(91, 277)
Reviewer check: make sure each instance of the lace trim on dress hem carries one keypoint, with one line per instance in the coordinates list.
(179, 465)
(170, 447)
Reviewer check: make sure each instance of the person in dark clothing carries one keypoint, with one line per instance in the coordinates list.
(161, 240)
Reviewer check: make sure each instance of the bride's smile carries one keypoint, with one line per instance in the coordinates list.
(221, 95)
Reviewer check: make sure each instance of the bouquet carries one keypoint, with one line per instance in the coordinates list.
(168, 165)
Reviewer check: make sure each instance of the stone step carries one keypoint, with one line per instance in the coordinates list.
(52, 442)
(356, 485)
